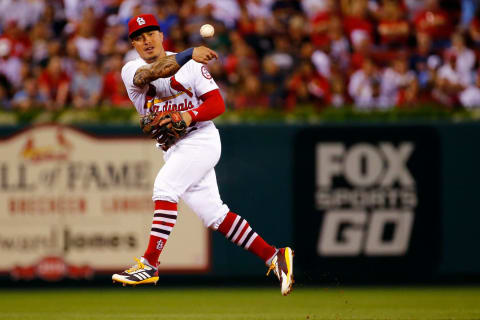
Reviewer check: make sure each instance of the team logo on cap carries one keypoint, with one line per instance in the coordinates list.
(140, 21)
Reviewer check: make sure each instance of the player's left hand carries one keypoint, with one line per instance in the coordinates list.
(203, 54)
(166, 127)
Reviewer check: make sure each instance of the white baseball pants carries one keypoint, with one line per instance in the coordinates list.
(189, 174)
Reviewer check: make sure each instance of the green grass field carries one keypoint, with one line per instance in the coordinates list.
(235, 304)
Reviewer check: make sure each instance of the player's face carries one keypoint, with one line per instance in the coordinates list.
(149, 45)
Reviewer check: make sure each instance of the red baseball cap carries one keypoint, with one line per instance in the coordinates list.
(142, 23)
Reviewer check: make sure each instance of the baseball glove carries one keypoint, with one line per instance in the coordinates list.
(166, 127)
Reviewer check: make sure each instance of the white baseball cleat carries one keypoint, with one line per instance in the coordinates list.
(282, 266)
(140, 273)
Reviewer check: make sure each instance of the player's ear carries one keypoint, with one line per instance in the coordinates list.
(134, 40)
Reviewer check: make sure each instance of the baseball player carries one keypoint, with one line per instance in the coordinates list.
(160, 81)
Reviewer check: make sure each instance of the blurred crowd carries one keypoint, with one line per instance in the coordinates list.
(273, 53)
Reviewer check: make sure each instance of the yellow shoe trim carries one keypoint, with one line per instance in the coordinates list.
(136, 267)
(272, 266)
(149, 280)
(288, 259)
(289, 275)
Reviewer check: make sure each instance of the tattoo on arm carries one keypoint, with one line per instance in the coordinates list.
(162, 68)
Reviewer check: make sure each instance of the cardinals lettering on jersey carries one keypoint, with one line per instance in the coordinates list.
(154, 104)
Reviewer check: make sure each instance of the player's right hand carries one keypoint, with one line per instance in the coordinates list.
(203, 54)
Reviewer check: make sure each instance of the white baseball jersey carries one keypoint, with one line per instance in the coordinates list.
(188, 172)
(160, 96)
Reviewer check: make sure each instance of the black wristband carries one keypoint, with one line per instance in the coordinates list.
(184, 56)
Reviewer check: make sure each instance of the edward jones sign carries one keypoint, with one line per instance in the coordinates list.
(72, 204)
(368, 201)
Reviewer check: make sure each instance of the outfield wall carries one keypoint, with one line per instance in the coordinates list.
(357, 202)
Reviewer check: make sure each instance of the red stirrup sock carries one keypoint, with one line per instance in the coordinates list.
(164, 219)
(237, 230)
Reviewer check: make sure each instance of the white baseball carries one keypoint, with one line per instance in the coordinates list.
(207, 31)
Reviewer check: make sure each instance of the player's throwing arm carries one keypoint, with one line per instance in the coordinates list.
(167, 66)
